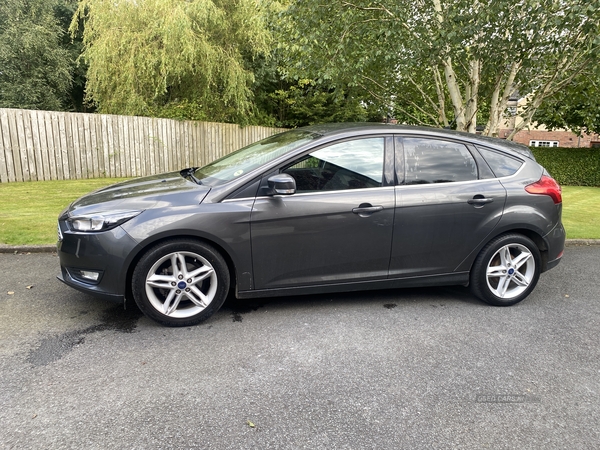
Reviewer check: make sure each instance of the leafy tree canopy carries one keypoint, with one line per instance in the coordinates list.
(75, 100)
(576, 106)
(286, 102)
(167, 57)
(35, 69)
(444, 62)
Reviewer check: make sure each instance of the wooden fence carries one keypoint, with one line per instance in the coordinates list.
(46, 145)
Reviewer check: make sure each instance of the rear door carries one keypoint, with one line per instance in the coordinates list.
(445, 206)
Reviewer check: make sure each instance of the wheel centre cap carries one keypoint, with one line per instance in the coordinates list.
(511, 271)
(182, 285)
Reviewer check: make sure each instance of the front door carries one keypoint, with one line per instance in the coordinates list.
(336, 228)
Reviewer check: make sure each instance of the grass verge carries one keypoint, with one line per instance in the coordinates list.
(581, 212)
(28, 211)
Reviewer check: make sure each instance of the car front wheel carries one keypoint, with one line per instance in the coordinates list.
(506, 270)
(180, 283)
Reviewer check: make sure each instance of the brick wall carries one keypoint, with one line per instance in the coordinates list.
(564, 138)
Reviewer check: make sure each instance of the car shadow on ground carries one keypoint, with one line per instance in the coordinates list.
(97, 316)
(115, 317)
(386, 298)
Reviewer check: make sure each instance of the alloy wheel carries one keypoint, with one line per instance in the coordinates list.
(510, 271)
(181, 284)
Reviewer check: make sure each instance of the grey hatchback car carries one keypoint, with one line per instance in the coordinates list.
(320, 209)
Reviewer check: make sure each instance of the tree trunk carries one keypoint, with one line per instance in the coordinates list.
(455, 95)
(472, 96)
(499, 104)
(439, 87)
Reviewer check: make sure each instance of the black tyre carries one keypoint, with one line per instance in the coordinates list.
(180, 283)
(506, 270)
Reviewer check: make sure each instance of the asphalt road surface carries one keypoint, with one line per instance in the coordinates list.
(415, 368)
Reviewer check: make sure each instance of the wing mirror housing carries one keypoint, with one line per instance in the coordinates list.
(282, 184)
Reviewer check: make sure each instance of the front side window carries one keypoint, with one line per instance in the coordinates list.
(353, 164)
(435, 161)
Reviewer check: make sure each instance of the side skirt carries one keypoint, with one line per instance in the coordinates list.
(461, 278)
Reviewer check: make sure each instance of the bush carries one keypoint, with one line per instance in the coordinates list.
(571, 166)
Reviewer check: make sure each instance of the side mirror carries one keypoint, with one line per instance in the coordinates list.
(282, 184)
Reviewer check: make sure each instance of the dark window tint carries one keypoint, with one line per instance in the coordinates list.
(347, 165)
(434, 161)
(502, 165)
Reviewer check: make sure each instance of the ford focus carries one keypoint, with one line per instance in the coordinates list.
(319, 209)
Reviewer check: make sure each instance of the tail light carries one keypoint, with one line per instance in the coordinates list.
(546, 186)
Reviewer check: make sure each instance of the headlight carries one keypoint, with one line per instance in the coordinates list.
(101, 221)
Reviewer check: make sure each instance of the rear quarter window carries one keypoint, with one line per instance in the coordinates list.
(501, 164)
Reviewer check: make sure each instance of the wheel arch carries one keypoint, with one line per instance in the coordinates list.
(148, 244)
(501, 293)
(535, 236)
(537, 240)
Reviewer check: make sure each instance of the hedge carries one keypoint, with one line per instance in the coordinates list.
(571, 166)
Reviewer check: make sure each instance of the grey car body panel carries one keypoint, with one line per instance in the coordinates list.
(447, 279)
(227, 225)
(242, 227)
(315, 238)
(104, 252)
(112, 251)
(555, 242)
(453, 227)
(522, 211)
(139, 194)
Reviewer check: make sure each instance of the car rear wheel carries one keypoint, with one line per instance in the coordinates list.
(506, 270)
(180, 283)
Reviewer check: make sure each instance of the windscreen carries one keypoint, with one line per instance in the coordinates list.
(249, 158)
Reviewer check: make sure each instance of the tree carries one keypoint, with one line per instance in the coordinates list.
(305, 102)
(35, 70)
(576, 106)
(75, 99)
(445, 62)
(148, 55)
(285, 102)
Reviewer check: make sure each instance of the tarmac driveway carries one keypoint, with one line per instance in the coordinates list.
(417, 368)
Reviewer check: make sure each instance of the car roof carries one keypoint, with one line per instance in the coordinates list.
(332, 129)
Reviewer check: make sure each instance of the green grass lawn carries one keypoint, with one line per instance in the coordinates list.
(28, 211)
(581, 212)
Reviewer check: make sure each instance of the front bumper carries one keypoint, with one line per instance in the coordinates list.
(70, 281)
(105, 252)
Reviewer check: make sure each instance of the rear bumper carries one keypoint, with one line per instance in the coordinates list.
(554, 263)
(555, 241)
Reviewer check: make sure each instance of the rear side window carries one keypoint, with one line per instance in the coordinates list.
(435, 161)
(502, 165)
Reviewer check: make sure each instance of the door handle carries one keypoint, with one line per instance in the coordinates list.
(479, 200)
(366, 209)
